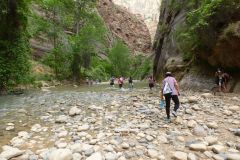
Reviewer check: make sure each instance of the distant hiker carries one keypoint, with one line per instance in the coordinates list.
(151, 82)
(226, 79)
(112, 81)
(130, 82)
(120, 82)
(170, 90)
(219, 79)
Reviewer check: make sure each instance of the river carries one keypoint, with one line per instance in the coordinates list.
(22, 111)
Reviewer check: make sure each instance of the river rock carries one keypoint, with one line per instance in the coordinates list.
(61, 119)
(77, 156)
(206, 95)
(84, 127)
(95, 156)
(74, 111)
(125, 145)
(191, 123)
(198, 147)
(17, 142)
(152, 153)
(237, 132)
(24, 135)
(10, 152)
(36, 128)
(213, 125)
(218, 149)
(10, 128)
(199, 131)
(60, 154)
(111, 156)
(192, 99)
(76, 148)
(149, 138)
(192, 156)
(234, 108)
(211, 140)
(179, 155)
(233, 156)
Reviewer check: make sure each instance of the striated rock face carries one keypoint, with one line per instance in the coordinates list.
(126, 26)
(148, 10)
(219, 46)
(167, 57)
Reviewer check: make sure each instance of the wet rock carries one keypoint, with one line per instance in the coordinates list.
(17, 142)
(24, 135)
(179, 155)
(60, 154)
(36, 128)
(198, 147)
(10, 128)
(61, 119)
(74, 111)
(10, 152)
(96, 156)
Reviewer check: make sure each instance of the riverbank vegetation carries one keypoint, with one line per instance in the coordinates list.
(76, 40)
(207, 26)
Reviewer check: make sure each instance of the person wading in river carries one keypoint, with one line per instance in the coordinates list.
(170, 90)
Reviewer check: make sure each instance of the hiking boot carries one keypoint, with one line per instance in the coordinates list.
(174, 113)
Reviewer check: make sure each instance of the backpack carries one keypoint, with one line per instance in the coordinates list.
(167, 89)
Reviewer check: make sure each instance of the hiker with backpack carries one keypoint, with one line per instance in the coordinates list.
(170, 90)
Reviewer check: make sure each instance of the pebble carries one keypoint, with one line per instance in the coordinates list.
(180, 156)
(198, 147)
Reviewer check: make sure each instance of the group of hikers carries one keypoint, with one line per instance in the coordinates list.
(121, 80)
(170, 89)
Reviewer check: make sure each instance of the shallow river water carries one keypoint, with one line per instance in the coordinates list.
(22, 111)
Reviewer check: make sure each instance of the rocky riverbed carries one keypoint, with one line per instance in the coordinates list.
(119, 125)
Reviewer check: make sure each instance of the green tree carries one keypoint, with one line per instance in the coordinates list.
(14, 45)
(120, 59)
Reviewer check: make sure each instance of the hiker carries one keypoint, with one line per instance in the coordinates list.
(120, 82)
(112, 81)
(219, 80)
(151, 82)
(130, 83)
(170, 90)
(226, 79)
